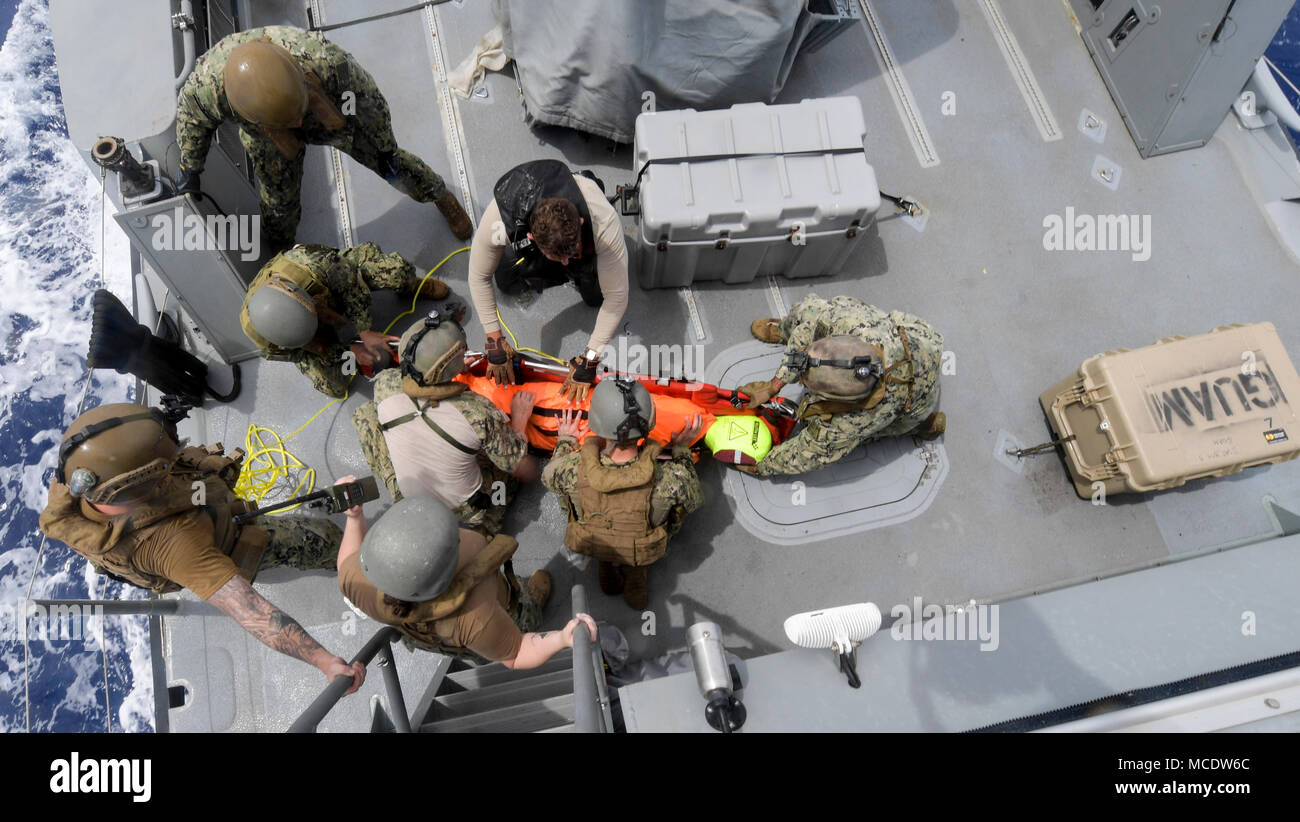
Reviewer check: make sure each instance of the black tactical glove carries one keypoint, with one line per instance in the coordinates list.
(187, 182)
(499, 354)
(582, 376)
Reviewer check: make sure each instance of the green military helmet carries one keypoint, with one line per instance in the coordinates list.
(621, 410)
(433, 350)
(116, 454)
(283, 313)
(842, 367)
(265, 85)
(412, 551)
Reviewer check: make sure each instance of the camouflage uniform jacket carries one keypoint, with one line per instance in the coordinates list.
(504, 446)
(677, 488)
(827, 438)
(202, 105)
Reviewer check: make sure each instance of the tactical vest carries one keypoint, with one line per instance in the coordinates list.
(809, 407)
(291, 272)
(519, 191)
(426, 624)
(110, 546)
(615, 500)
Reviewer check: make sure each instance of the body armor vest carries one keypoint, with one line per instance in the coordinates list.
(615, 523)
(110, 546)
(429, 620)
(519, 191)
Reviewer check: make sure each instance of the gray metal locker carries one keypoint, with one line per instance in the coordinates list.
(1174, 68)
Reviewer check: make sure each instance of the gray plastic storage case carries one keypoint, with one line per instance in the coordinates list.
(733, 218)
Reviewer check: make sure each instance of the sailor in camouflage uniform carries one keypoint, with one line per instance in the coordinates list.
(300, 297)
(868, 375)
(285, 89)
(426, 434)
(623, 503)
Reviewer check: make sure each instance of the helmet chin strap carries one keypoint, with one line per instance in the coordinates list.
(632, 418)
(432, 321)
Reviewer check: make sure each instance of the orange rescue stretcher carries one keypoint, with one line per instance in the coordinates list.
(676, 402)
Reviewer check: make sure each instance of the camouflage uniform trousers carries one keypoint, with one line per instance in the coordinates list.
(825, 439)
(302, 542)
(367, 138)
(351, 275)
(525, 612)
(489, 521)
(326, 370)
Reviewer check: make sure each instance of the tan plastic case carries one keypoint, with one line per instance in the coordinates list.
(1181, 409)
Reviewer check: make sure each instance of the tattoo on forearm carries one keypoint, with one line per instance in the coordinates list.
(272, 627)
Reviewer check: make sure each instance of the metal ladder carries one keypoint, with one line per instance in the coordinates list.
(567, 693)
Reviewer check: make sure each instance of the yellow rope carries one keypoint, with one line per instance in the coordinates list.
(267, 463)
(515, 343)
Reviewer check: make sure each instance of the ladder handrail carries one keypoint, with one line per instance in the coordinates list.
(587, 714)
(380, 643)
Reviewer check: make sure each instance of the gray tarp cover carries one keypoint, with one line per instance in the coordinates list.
(585, 64)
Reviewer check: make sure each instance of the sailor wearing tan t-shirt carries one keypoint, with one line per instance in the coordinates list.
(152, 514)
(448, 589)
(546, 226)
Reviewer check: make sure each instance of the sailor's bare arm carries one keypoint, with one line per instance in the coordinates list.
(277, 630)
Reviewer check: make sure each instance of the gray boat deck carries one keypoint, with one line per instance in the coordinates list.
(1018, 318)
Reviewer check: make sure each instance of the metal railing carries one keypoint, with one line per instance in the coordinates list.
(588, 697)
(381, 644)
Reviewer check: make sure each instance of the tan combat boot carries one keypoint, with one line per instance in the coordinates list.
(539, 588)
(457, 219)
(432, 289)
(933, 426)
(767, 329)
(611, 579)
(636, 591)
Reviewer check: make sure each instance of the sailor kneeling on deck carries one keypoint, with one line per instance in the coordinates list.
(546, 226)
(298, 300)
(142, 509)
(867, 375)
(446, 588)
(623, 503)
(426, 434)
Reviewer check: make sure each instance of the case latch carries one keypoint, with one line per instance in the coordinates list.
(723, 239)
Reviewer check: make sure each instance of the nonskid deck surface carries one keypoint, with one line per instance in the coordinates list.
(1017, 318)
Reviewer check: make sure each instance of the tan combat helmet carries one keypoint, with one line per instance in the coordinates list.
(412, 551)
(433, 350)
(265, 85)
(842, 367)
(115, 454)
(621, 411)
(283, 313)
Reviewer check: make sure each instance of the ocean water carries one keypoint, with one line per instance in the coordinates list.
(1285, 54)
(50, 264)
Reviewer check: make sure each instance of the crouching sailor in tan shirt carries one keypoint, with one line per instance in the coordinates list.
(145, 511)
(546, 226)
(446, 588)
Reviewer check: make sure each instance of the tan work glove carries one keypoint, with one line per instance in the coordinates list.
(582, 376)
(758, 392)
(500, 355)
